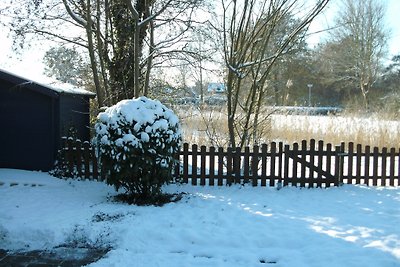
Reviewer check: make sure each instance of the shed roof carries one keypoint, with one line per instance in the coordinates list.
(50, 90)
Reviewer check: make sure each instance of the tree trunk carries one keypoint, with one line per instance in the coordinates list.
(149, 61)
(231, 110)
(364, 92)
(93, 63)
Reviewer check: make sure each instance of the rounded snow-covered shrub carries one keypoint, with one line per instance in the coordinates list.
(137, 140)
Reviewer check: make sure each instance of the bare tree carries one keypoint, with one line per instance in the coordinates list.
(251, 49)
(118, 36)
(354, 54)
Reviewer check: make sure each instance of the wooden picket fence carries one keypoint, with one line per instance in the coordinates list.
(308, 164)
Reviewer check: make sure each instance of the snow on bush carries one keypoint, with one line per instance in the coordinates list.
(137, 140)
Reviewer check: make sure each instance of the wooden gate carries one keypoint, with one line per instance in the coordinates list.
(313, 166)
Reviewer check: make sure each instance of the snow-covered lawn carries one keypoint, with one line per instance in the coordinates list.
(210, 226)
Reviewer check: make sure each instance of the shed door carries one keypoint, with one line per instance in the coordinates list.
(27, 135)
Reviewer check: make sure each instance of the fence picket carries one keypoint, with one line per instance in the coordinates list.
(177, 167)
(203, 165)
(246, 165)
(329, 164)
(212, 166)
(294, 164)
(95, 165)
(286, 166)
(320, 164)
(366, 165)
(78, 157)
(375, 158)
(264, 151)
(237, 165)
(303, 167)
(280, 161)
(194, 164)
(273, 164)
(350, 152)
(220, 166)
(383, 168)
(337, 165)
(86, 159)
(70, 155)
(312, 159)
(358, 164)
(391, 163)
(398, 169)
(229, 167)
(185, 174)
(254, 166)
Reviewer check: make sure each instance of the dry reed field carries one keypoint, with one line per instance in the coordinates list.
(209, 127)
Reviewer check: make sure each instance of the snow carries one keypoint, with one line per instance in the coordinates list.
(145, 115)
(211, 226)
(51, 83)
(132, 124)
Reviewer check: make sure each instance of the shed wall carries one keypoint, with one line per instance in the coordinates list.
(27, 135)
(74, 113)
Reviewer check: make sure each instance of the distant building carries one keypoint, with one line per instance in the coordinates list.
(216, 88)
(34, 117)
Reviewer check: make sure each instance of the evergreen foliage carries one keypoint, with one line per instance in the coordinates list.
(137, 140)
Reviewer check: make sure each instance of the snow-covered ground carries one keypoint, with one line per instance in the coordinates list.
(210, 226)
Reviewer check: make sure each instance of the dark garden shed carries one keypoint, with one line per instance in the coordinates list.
(34, 117)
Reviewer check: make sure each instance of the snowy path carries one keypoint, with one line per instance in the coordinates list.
(210, 226)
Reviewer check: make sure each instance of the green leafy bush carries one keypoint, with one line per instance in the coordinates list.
(137, 140)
